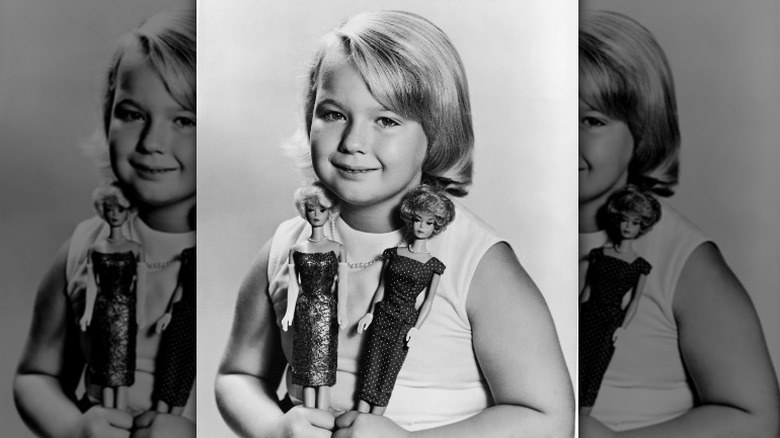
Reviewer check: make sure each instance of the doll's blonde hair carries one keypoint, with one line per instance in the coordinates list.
(632, 200)
(410, 67)
(427, 199)
(167, 41)
(109, 192)
(314, 192)
(624, 74)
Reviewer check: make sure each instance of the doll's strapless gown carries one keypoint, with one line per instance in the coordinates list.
(113, 326)
(176, 361)
(315, 345)
(610, 278)
(393, 317)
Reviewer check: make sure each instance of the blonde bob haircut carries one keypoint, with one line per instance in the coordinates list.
(315, 193)
(427, 199)
(625, 75)
(167, 41)
(106, 193)
(411, 68)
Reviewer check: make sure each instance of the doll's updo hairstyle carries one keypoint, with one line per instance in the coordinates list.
(427, 199)
(631, 200)
(314, 192)
(625, 75)
(411, 68)
(108, 192)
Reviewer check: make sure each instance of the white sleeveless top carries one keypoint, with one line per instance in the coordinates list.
(440, 381)
(645, 382)
(160, 285)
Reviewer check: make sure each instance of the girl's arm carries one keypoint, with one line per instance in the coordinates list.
(253, 365)
(378, 295)
(425, 309)
(91, 294)
(725, 353)
(515, 342)
(51, 365)
(292, 292)
(343, 288)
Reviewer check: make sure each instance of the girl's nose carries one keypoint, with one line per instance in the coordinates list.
(154, 138)
(355, 139)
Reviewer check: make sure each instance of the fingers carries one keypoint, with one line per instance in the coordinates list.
(320, 418)
(346, 419)
(144, 420)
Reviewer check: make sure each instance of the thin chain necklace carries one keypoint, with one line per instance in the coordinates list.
(416, 252)
(358, 265)
(154, 266)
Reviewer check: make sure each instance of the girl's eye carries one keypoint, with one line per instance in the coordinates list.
(387, 122)
(333, 116)
(184, 122)
(127, 115)
(592, 122)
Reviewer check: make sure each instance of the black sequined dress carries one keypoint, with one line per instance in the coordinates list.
(610, 278)
(393, 317)
(113, 326)
(315, 345)
(176, 365)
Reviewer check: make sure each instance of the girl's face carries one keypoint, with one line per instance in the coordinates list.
(630, 225)
(316, 214)
(423, 225)
(366, 154)
(606, 147)
(151, 137)
(114, 214)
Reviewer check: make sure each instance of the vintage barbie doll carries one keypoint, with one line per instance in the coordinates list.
(386, 108)
(176, 364)
(148, 149)
(676, 371)
(616, 273)
(406, 272)
(115, 300)
(316, 269)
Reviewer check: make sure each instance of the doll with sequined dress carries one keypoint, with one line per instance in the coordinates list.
(114, 300)
(393, 320)
(317, 268)
(615, 280)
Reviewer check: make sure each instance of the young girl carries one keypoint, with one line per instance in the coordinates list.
(149, 126)
(614, 284)
(314, 311)
(405, 274)
(693, 360)
(386, 108)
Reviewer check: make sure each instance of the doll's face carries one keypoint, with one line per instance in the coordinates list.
(630, 225)
(366, 154)
(423, 225)
(316, 215)
(606, 147)
(114, 214)
(151, 138)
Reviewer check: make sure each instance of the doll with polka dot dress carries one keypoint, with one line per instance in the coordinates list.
(393, 319)
(615, 279)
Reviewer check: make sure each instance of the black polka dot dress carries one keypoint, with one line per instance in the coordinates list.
(610, 278)
(393, 317)
(175, 371)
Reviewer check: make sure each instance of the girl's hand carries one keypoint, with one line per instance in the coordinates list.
(85, 321)
(152, 424)
(410, 335)
(286, 322)
(592, 428)
(365, 322)
(104, 422)
(354, 424)
(163, 322)
(302, 422)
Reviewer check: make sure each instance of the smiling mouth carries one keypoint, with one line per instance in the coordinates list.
(352, 170)
(152, 170)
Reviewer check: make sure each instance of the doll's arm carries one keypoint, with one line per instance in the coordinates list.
(366, 320)
(50, 368)
(166, 318)
(634, 303)
(292, 293)
(343, 288)
(253, 365)
(140, 289)
(91, 294)
(724, 351)
(425, 309)
(585, 294)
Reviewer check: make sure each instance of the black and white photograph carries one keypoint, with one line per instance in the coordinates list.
(373, 93)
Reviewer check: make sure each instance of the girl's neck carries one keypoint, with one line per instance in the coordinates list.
(371, 220)
(589, 210)
(177, 218)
